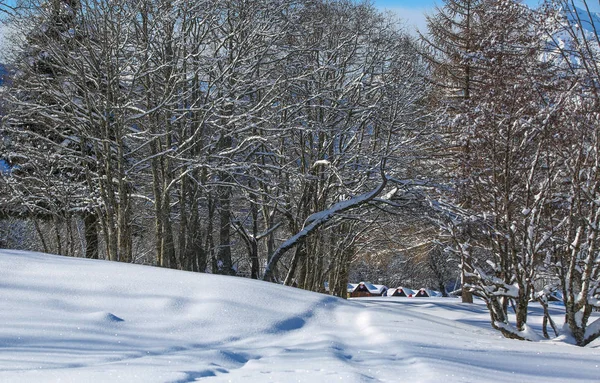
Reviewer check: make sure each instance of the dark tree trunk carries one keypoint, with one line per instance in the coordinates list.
(224, 262)
(91, 229)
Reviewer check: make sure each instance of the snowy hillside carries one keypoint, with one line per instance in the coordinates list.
(590, 22)
(584, 24)
(77, 320)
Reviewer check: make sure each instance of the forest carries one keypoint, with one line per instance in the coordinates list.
(312, 141)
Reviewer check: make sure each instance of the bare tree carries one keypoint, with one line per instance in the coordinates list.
(230, 128)
(575, 52)
(449, 46)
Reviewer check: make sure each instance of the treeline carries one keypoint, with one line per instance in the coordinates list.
(201, 135)
(283, 139)
(520, 92)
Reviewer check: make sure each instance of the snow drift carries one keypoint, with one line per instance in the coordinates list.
(78, 320)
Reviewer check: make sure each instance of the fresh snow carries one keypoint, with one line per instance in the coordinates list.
(77, 320)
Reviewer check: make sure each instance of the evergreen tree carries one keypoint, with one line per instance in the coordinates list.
(448, 47)
(47, 179)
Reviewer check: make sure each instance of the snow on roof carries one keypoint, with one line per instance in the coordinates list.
(373, 289)
(379, 289)
(406, 290)
(354, 286)
(431, 293)
(370, 286)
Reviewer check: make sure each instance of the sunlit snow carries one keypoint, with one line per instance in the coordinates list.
(77, 320)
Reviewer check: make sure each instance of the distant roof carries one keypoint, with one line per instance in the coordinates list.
(379, 288)
(406, 290)
(375, 289)
(431, 293)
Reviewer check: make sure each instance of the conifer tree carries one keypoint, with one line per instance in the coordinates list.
(448, 48)
(47, 179)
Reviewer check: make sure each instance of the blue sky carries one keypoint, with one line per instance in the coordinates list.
(428, 3)
(412, 10)
(408, 3)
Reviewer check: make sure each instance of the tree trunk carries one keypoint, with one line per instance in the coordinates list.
(224, 262)
(91, 230)
(466, 295)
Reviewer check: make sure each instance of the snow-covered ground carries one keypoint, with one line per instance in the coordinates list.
(76, 320)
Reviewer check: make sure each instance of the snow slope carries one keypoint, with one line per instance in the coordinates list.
(78, 320)
(590, 22)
